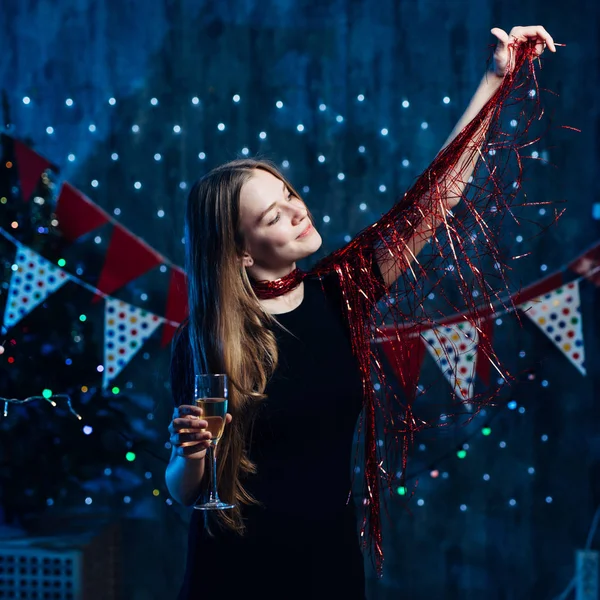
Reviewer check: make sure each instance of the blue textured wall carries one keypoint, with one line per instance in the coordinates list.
(305, 54)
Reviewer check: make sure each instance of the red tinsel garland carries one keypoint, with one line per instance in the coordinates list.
(461, 248)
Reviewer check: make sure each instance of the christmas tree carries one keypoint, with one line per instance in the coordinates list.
(74, 448)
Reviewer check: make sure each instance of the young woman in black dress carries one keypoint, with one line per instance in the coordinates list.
(295, 389)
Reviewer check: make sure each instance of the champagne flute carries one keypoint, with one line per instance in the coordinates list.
(211, 395)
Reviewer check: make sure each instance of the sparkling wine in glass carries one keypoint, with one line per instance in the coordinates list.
(211, 395)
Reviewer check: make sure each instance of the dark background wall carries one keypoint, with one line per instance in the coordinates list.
(193, 58)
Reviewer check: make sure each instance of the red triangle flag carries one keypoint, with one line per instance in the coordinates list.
(77, 214)
(30, 166)
(177, 304)
(126, 259)
(484, 350)
(588, 265)
(406, 357)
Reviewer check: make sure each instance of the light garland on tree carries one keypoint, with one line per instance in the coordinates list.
(47, 396)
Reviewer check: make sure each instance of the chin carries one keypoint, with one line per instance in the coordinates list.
(311, 245)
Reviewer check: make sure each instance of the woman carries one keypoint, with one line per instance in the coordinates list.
(295, 349)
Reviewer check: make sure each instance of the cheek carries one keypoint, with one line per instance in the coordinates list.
(278, 237)
(271, 240)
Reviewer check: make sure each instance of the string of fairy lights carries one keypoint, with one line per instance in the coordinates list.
(46, 396)
(261, 135)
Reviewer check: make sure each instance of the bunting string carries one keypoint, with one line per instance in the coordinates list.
(452, 342)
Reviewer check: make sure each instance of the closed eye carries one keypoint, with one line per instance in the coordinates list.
(290, 196)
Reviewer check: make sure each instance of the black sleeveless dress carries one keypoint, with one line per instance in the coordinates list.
(303, 541)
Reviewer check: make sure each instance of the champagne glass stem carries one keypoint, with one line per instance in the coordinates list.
(214, 497)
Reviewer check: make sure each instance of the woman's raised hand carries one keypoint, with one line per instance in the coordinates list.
(504, 52)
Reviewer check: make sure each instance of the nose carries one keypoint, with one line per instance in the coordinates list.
(300, 213)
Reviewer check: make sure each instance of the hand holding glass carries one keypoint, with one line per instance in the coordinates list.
(211, 395)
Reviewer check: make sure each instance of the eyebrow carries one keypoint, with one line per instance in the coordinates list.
(271, 207)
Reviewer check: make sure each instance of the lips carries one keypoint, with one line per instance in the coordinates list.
(305, 232)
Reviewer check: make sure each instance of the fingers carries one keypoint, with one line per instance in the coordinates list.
(187, 410)
(548, 39)
(522, 34)
(187, 424)
(189, 434)
(543, 37)
(186, 437)
(501, 35)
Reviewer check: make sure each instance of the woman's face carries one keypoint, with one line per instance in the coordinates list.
(275, 225)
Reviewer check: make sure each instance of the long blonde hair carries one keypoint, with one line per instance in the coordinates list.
(227, 328)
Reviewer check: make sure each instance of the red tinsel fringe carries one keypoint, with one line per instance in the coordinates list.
(463, 248)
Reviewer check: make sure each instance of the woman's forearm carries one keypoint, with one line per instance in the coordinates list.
(452, 187)
(488, 86)
(184, 478)
(458, 177)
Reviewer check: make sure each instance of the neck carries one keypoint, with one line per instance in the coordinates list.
(260, 273)
(266, 289)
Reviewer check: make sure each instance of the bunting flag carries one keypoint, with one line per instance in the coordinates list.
(558, 315)
(177, 306)
(484, 365)
(33, 281)
(454, 348)
(77, 214)
(405, 355)
(30, 166)
(126, 328)
(554, 308)
(127, 258)
(588, 265)
(455, 345)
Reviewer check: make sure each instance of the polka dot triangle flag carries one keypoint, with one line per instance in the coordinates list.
(33, 281)
(558, 315)
(126, 328)
(454, 348)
